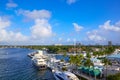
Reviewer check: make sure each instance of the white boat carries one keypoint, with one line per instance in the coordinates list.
(40, 60)
(66, 75)
(56, 67)
(51, 63)
(39, 63)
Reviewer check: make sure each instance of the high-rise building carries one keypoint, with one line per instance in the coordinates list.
(109, 43)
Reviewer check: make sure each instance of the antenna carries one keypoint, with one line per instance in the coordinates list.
(74, 46)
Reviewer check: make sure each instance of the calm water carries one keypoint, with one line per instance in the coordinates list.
(15, 65)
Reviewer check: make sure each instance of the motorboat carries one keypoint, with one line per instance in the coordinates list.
(64, 75)
(52, 63)
(36, 53)
(40, 60)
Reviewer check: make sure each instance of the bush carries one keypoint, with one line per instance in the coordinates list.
(114, 77)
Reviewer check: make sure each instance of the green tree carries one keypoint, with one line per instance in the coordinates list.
(88, 63)
(88, 55)
(76, 59)
(72, 60)
(114, 77)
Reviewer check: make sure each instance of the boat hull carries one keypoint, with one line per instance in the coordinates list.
(40, 67)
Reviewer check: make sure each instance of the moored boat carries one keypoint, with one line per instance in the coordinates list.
(66, 75)
(40, 60)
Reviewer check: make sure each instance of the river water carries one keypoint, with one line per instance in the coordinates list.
(16, 65)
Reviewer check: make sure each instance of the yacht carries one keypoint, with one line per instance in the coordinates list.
(40, 60)
(52, 63)
(40, 63)
(66, 75)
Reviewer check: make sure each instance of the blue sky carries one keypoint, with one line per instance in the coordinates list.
(59, 21)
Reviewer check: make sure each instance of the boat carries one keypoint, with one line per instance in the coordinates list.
(52, 63)
(31, 55)
(40, 63)
(65, 75)
(40, 60)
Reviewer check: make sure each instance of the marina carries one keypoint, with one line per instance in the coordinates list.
(53, 64)
(50, 66)
(59, 40)
(16, 65)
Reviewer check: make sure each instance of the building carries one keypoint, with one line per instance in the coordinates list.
(109, 43)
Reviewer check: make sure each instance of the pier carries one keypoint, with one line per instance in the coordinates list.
(85, 76)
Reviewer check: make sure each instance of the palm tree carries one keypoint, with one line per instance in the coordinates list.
(88, 63)
(95, 53)
(88, 55)
(79, 60)
(76, 60)
(71, 60)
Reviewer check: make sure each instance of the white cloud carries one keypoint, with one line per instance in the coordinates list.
(117, 24)
(11, 4)
(77, 27)
(109, 27)
(41, 29)
(35, 14)
(105, 32)
(8, 36)
(71, 1)
(95, 37)
(4, 23)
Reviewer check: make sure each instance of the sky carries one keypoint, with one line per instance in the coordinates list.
(48, 22)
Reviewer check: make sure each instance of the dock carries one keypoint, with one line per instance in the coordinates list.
(85, 76)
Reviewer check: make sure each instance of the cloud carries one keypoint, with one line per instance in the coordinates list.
(11, 4)
(9, 36)
(40, 32)
(77, 27)
(107, 26)
(35, 14)
(94, 36)
(105, 32)
(41, 29)
(4, 23)
(71, 1)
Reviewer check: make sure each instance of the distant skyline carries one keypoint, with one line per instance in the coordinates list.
(45, 22)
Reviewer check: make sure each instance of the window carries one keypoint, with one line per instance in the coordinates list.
(60, 77)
